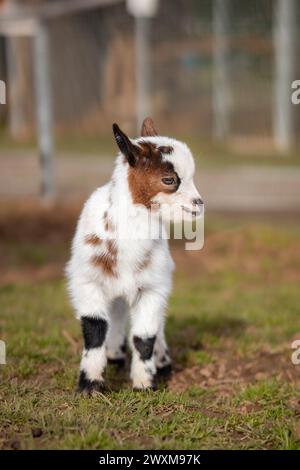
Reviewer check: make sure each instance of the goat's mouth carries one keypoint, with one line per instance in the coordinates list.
(194, 213)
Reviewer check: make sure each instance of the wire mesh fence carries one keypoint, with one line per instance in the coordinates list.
(211, 68)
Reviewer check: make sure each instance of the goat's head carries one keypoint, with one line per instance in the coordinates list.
(160, 173)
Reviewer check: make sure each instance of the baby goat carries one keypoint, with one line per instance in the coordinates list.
(116, 268)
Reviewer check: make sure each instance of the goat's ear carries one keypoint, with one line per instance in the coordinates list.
(128, 149)
(148, 129)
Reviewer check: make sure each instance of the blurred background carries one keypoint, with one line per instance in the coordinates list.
(215, 73)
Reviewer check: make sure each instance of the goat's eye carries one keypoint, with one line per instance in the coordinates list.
(169, 180)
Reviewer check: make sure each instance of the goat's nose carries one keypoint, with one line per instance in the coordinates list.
(198, 202)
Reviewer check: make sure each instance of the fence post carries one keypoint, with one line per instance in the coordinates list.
(2, 92)
(284, 46)
(143, 69)
(44, 108)
(142, 10)
(17, 116)
(222, 98)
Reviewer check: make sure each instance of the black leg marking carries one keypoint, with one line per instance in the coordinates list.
(163, 359)
(119, 362)
(89, 386)
(94, 332)
(164, 371)
(144, 346)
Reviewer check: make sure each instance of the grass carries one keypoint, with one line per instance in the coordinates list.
(232, 317)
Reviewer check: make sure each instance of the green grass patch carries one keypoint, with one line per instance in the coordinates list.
(206, 151)
(232, 316)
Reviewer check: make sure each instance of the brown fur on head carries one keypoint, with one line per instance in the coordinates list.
(160, 171)
(147, 172)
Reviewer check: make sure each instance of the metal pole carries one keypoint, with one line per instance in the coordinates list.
(285, 74)
(142, 69)
(222, 97)
(16, 115)
(44, 108)
(2, 93)
(2, 78)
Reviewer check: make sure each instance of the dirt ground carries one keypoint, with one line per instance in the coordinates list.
(250, 187)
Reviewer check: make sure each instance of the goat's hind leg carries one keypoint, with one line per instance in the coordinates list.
(161, 354)
(116, 345)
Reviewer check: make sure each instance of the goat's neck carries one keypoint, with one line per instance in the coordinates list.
(128, 216)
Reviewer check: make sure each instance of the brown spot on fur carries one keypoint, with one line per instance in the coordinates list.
(112, 186)
(107, 261)
(146, 166)
(92, 239)
(111, 248)
(108, 225)
(145, 177)
(144, 263)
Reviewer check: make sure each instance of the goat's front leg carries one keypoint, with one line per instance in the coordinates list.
(93, 361)
(146, 317)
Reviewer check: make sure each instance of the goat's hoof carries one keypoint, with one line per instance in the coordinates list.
(118, 362)
(90, 387)
(164, 371)
(94, 387)
(151, 388)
